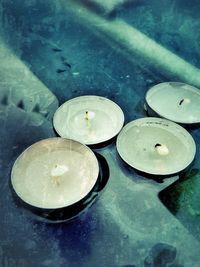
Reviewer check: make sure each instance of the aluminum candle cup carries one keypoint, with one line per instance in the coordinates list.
(156, 146)
(54, 173)
(89, 119)
(175, 101)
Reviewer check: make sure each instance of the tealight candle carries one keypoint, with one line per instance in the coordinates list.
(54, 173)
(156, 146)
(175, 101)
(88, 119)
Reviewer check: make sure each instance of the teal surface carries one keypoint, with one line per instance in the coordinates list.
(48, 52)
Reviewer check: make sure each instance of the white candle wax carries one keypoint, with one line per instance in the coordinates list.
(162, 149)
(175, 101)
(88, 119)
(156, 146)
(59, 170)
(54, 173)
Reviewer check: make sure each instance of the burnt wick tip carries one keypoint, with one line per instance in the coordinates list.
(156, 145)
(181, 102)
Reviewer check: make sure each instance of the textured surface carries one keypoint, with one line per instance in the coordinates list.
(129, 225)
(20, 87)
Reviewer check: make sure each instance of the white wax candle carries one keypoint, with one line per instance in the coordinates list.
(156, 146)
(88, 119)
(54, 173)
(175, 101)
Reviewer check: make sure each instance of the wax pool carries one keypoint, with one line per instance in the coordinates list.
(54, 173)
(175, 101)
(156, 146)
(88, 119)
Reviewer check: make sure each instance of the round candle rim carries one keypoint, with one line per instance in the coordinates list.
(159, 85)
(96, 97)
(128, 125)
(61, 206)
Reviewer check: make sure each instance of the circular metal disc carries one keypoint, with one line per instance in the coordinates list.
(175, 101)
(54, 173)
(89, 119)
(156, 146)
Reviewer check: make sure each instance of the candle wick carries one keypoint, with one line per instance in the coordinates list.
(86, 118)
(185, 101)
(158, 145)
(86, 115)
(181, 102)
(161, 149)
